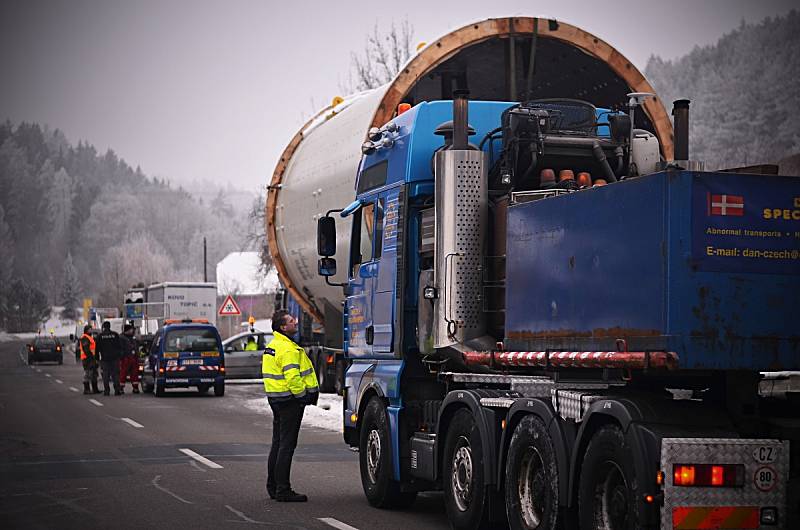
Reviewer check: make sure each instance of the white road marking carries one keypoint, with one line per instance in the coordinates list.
(243, 516)
(165, 490)
(38, 371)
(73, 389)
(200, 458)
(132, 423)
(95, 402)
(48, 375)
(336, 524)
(59, 381)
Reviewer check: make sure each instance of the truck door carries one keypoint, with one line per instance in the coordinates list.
(363, 275)
(383, 301)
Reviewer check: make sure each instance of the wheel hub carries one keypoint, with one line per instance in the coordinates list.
(373, 455)
(531, 488)
(461, 476)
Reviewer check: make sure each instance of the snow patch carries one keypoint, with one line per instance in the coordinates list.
(60, 327)
(317, 416)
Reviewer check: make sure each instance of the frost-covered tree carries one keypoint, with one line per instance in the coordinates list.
(71, 289)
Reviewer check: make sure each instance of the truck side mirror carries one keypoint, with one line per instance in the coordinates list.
(326, 267)
(326, 237)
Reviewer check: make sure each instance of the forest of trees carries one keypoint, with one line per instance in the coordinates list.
(75, 223)
(744, 93)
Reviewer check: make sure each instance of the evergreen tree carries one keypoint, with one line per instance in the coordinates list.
(71, 290)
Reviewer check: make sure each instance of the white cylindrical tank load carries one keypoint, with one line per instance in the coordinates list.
(317, 170)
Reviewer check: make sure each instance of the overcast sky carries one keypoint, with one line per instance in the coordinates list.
(213, 90)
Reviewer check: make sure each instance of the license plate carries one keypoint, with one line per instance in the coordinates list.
(193, 361)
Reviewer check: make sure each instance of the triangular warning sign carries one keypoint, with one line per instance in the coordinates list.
(229, 307)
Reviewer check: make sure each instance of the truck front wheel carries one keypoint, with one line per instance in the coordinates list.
(375, 461)
(531, 477)
(465, 496)
(606, 497)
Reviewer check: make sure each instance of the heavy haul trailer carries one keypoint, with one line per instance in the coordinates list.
(556, 355)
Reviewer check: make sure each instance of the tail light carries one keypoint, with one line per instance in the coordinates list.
(58, 348)
(708, 475)
(30, 349)
(330, 359)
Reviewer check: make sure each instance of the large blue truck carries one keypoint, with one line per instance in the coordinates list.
(552, 326)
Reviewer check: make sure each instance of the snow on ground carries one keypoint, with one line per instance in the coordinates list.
(318, 416)
(55, 324)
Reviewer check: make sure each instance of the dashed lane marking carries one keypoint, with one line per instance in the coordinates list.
(200, 458)
(59, 381)
(336, 523)
(73, 389)
(165, 490)
(47, 375)
(132, 423)
(242, 515)
(95, 402)
(38, 371)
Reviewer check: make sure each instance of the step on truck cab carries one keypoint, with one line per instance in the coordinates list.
(186, 353)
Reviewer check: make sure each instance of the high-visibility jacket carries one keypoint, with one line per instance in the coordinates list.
(251, 346)
(288, 372)
(89, 342)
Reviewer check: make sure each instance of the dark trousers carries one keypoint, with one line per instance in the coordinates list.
(287, 417)
(110, 371)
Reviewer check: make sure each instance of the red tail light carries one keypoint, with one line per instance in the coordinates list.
(708, 475)
(58, 348)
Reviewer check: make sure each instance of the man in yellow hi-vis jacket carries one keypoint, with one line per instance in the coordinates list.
(291, 384)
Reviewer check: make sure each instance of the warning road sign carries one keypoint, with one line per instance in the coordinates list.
(229, 307)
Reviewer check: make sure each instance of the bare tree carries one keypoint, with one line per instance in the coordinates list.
(383, 56)
(256, 236)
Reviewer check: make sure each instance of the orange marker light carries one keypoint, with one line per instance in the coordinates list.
(403, 107)
(717, 475)
(660, 478)
(649, 499)
(683, 476)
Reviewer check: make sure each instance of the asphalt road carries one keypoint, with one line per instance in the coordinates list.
(182, 461)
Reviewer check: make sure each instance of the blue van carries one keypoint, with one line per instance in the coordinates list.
(184, 354)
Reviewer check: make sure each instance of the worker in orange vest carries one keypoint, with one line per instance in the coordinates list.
(89, 361)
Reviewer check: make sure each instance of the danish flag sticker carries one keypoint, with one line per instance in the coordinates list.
(725, 204)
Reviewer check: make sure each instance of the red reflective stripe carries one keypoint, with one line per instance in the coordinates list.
(715, 517)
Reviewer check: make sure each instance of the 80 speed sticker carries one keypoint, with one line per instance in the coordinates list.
(765, 478)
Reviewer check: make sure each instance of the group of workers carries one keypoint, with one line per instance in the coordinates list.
(289, 382)
(114, 354)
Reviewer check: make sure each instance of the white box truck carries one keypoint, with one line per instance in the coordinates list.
(183, 300)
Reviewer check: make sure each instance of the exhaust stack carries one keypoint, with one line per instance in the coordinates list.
(680, 110)
(460, 118)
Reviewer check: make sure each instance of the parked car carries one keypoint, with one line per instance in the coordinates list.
(45, 349)
(241, 363)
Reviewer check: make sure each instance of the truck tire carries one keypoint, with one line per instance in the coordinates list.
(325, 383)
(219, 389)
(606, 496)
(531, 477)
(465, 497)
(375, 461)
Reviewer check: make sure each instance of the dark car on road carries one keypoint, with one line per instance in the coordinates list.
(45, 349)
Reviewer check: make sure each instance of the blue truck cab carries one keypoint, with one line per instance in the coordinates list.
(184, 354)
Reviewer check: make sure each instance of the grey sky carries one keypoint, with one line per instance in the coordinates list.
(213, 90)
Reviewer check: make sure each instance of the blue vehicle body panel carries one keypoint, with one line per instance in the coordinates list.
(631, 260)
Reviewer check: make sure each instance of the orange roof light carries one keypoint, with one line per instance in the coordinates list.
(403, 107)
(186, 321)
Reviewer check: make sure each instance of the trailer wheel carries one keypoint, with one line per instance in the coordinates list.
(531, 478)
(465, 496)
(606, 499)
(375, 461)
(324, 380)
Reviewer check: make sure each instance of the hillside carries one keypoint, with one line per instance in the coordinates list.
(744, 93)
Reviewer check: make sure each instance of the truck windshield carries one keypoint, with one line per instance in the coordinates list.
(190, 340)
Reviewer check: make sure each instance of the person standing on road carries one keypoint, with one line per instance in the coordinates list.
(110, 349)
(290, 384)
(129, 363)
(86, 346)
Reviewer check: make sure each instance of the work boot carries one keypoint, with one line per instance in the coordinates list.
(95, 389)
(121, 390)
(118, 392)
(291, 496)
(135, 389)
(106, 391)
(86, 388)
